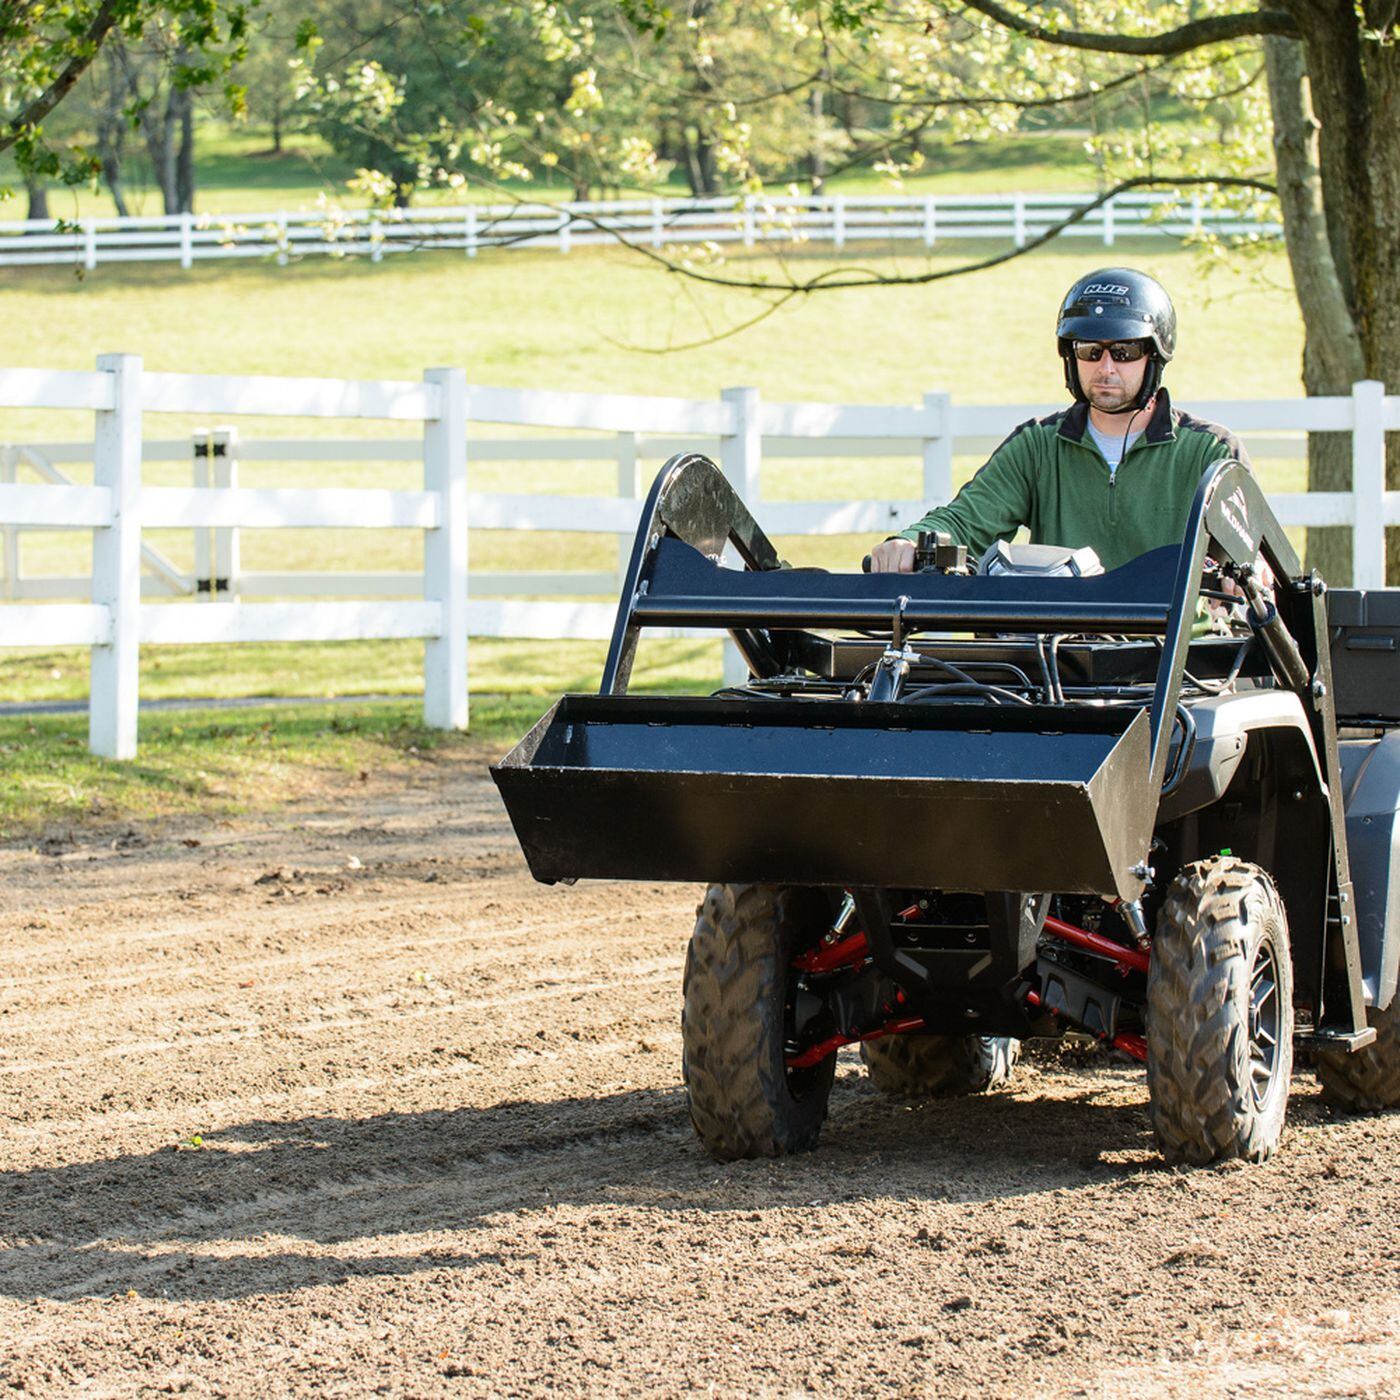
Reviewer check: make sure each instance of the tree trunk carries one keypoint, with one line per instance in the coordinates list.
(158, 132)
(112, 177)
(817, 157)
(1355, 82)
(1332, 358)
(111, 138)
(700, 163)
(165, 156)
(38, 193)
(184, 160)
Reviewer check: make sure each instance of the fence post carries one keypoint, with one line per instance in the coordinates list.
(1108, 230)
(1368, 484)
(930, 221)
(469, 232)
(89, 245)
(116, 563)
(749, 229)
(8, 474)
(186, 240)
(226, 539)
(445, 553)
(1018, 220)
(627, 445)
(203, 442)
(938, 449)
(838, 222)
(741, 459)
(656, 230)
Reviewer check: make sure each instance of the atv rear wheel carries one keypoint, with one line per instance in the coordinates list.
(939, 1066)
(1220, 1015)
(1369, 1080)
(738, 1022)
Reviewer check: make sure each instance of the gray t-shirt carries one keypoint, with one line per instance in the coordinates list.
(1112, 445)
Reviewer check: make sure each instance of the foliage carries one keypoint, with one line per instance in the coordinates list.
(46, 46)
(744, 94)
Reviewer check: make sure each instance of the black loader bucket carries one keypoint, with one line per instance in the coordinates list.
(832, 793)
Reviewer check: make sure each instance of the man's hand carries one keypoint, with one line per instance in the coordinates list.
(892, 557)
(1220, 612)
(1263, 576)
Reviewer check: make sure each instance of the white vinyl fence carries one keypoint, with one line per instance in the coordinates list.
(652, 223)
(444, 603)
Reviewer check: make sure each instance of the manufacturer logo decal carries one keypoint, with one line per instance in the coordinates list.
(1105, 289)
(1234, 509)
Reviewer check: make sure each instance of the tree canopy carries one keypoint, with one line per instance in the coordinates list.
(47, 46)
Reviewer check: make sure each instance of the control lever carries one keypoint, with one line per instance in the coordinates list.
(934, 552)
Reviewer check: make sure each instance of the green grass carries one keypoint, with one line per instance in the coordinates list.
(602, 321)
(232, 763)
(228, 764)
(496, 666)
(609, 322)
(595, 321)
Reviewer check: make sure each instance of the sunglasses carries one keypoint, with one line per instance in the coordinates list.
(1123, 352)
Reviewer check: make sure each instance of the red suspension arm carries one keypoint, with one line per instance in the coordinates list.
(815, 1054)
(1128, 959)
(1125, 1041)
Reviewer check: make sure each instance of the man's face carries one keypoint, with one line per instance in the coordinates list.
(1111, 384)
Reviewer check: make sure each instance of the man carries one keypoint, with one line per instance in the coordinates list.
(1118, 469)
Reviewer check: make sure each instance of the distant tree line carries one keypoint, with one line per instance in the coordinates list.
(601, 96)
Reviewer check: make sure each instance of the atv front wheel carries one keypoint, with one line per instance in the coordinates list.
(738, 1022)
(1220, 1015)
(939, 1066)
(1369, 1080)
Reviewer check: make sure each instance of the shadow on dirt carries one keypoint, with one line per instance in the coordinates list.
(163, 1221)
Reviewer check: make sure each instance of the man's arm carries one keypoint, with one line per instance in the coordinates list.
(993, 505)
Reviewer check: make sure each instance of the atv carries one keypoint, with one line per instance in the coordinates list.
(955, 809)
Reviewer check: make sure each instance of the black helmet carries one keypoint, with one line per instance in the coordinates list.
(1118, 303)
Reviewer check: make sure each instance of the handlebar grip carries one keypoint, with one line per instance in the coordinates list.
(865, 565)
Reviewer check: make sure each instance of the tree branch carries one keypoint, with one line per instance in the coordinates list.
(1069, 99)
(100, 26)
(1215, 29)
(840, 278)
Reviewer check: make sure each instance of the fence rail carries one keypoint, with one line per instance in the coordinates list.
(443, 603)
(654, 223)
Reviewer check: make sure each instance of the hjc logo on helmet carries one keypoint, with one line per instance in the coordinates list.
(1105, 289)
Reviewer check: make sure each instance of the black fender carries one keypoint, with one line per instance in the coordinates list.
(1371, 787)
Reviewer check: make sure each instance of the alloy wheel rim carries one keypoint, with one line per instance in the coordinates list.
(1265, 1016)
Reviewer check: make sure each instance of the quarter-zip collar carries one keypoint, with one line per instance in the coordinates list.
(1161, 426)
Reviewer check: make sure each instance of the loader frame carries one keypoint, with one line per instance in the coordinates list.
(1075, 792)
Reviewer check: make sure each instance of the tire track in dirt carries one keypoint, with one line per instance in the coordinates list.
(484, 1182)
(380, 1008)
(325, 919)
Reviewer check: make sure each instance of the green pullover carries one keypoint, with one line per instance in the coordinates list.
(1050, 477)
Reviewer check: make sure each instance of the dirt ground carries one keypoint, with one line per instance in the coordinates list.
(342, 1103)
